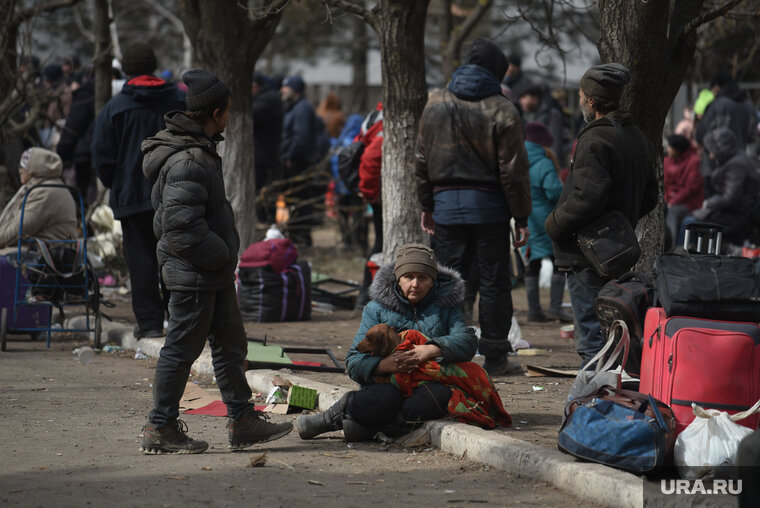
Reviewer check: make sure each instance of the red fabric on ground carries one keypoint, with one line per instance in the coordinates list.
(216, 408)
(474, 398)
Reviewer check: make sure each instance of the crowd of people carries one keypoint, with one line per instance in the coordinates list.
(500, 164)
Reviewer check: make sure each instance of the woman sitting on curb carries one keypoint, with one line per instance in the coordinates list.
(415, 293)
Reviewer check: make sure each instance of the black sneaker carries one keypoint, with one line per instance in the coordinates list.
(170, 438)
(252, 428)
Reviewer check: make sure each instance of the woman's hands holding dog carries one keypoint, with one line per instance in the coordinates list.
(407, 361)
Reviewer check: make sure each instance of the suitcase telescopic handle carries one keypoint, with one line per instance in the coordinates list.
(709, 231)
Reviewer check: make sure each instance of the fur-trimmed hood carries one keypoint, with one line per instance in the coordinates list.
(447, 292)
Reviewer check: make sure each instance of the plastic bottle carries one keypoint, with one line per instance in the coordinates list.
(85, 354)
(282, 215)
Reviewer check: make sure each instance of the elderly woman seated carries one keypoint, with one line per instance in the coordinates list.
(50, 212)
(423, 302)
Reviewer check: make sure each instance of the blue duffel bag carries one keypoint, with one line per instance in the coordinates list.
(618, 428)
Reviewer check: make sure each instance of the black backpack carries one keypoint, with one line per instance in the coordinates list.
(349, 158)
(626, 298)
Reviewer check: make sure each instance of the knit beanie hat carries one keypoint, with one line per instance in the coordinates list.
(679, 143)
(605, 81)
(295, 82)
(538, 133)
(203, 89)
(486, 54)
(417, 258)
(139, 59)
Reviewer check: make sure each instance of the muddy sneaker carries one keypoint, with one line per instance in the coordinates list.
(252, 428)
(169, 439)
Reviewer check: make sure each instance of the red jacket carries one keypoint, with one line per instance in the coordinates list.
(682, 180)
(371, 161)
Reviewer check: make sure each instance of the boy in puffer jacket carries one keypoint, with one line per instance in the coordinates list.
(197, 253)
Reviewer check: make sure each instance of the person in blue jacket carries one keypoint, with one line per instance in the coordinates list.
(545, 190)
(414, 293)
(127, 120)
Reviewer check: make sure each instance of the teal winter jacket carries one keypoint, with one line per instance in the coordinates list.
(439, 317)
(545, 190)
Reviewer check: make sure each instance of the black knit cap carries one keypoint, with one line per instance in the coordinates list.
(605, 81)
(679, 143)
(139, 59)
(203, 89)
(486, 54)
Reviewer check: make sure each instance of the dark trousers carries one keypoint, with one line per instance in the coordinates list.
(584, 284)
(379, 405)
(455, 246)
(148, 304)
(194, 317)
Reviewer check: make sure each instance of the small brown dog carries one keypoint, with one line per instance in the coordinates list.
(381, 340)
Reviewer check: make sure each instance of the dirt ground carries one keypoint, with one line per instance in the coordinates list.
(71, 430)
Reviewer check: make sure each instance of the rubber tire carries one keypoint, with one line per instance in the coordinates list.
(4, 330)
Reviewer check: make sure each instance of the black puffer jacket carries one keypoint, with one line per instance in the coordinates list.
(613, 169)
(197, 240)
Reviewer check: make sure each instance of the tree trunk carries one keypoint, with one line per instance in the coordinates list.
(400, 26)
(649, 39)
(359, 82)
(103, 55)
(228, 43)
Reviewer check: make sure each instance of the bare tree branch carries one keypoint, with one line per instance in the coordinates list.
(354, 8)
(31, 12)
(709, 16)
(273, 9)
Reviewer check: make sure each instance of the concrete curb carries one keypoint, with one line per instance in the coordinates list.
(591, 482)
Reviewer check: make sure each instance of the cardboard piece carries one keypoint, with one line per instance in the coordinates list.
(196, 397)
(536, 371)
(278, 409)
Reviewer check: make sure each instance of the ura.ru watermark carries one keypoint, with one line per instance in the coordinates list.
(704, 487)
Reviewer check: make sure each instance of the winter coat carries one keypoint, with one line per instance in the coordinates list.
(438, 316)
(683, 183)
(613, 169)
(545, 189)
(126, 120)
(550, 113)
(371, 161)
(300, 130)
(735, 183)
(49, 213)
(732, 109)
(267, 133)
(76, 138)
(350, 131)
(471, 137)
(194, 224)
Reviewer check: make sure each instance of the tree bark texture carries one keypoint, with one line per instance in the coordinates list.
(400, 26)
(227, 42)
(103, 54)
(649, 39)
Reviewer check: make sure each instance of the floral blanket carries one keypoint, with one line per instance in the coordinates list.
(473, 396)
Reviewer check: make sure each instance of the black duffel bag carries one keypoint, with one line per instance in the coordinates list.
(708, 286)
(627, 299)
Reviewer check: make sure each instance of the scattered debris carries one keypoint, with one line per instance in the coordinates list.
(537, 388)
(205, 468)
(352, 482)
(416, 438)
(315, 482)
(258, 460)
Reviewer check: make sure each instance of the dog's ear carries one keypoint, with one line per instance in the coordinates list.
(365, 346)
(382, 346)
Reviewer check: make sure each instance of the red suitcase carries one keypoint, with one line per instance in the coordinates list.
(715, 364)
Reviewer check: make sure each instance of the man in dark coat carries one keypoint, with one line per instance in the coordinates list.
(731, 108)
(76, 137)
(267, 128)
(472, 178)
(126, 120)
(301, 131)
(197, 250)
(613, 169)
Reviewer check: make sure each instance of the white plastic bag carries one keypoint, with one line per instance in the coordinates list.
(710, 440)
